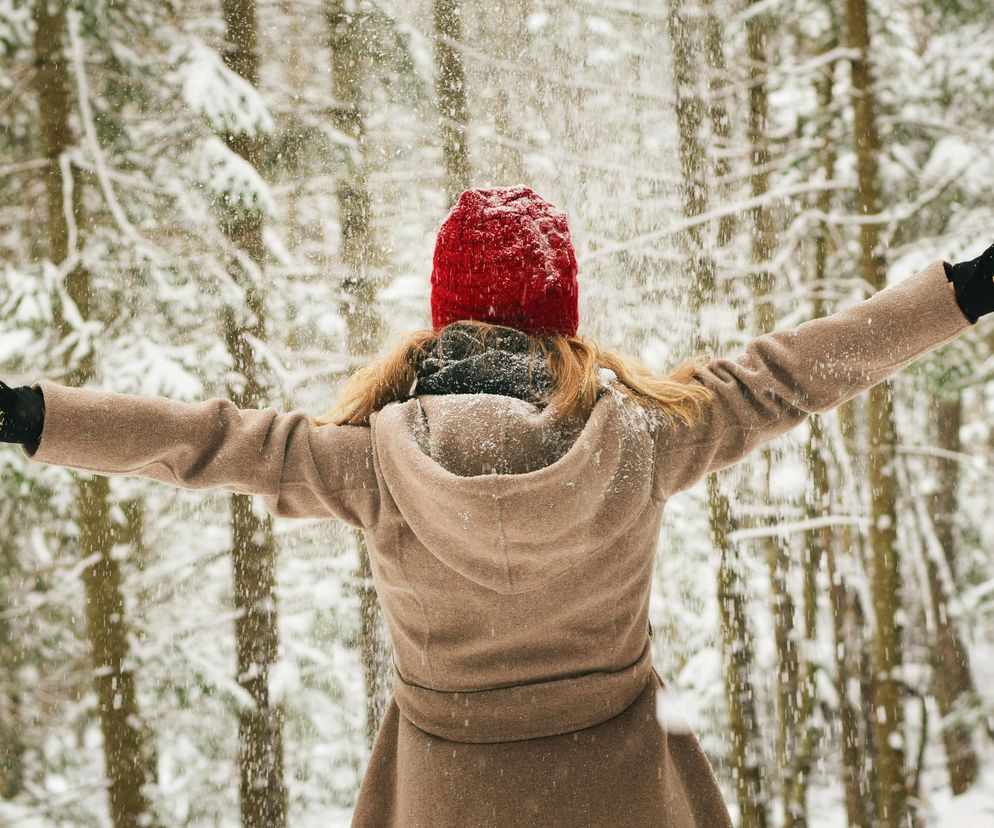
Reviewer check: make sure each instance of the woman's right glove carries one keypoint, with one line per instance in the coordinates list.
(22, 414)
(974, 284)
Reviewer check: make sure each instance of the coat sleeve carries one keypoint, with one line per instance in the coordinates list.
(300, 470)
(786, 375)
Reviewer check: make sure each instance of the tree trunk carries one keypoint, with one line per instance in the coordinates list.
(129, 767)
(848, 619)
(853, 656)
(721, 123)
(989, 339)
(887, 651)
(952, 677)
(736, 637)
(758, 27)
(738, 652)
(129, 764)
(510, 39)
(450, 82)
(263, 795)
(821, 543)
(361, 256)
(296, 43)
(943, 504)
(12, 655)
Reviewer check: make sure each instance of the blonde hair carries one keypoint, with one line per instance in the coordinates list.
(573, 362)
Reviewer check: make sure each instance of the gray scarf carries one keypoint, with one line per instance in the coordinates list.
(459, 362)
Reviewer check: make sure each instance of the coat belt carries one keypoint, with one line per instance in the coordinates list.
(524, 711)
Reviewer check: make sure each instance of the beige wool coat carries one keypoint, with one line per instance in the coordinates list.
(513, 559)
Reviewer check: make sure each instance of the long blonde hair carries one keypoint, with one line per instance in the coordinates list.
(573, 362)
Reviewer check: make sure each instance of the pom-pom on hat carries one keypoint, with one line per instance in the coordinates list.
(504, 256)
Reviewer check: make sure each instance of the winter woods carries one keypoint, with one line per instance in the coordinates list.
(239, 200)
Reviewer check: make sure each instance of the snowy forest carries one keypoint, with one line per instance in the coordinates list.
(239, 199)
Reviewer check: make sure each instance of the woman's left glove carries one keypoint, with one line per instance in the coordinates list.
(22, 414)
(974, 284)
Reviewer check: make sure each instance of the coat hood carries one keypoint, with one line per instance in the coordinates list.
(499, 492)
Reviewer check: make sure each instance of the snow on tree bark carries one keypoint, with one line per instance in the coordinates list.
(262, 791)
(361, 256)
(450, 83)
(952, 676)
(736, 635)
(887, 651)
(775, 549)
(128, 759)
(825, 543)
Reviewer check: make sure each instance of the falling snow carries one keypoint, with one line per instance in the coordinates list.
(186, 218)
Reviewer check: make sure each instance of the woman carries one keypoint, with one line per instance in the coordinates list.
(511, 491)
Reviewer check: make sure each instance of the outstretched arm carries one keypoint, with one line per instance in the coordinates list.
(786, 375)
(299, 469)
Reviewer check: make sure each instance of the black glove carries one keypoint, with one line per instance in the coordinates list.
(22, 414)
(974, 284)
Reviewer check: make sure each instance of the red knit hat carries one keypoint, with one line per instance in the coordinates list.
(504, 256)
